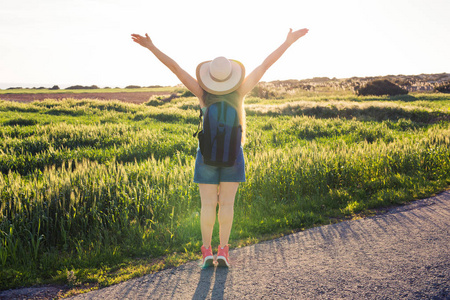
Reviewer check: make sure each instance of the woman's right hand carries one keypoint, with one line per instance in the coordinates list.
(143, 41)
(293, 36)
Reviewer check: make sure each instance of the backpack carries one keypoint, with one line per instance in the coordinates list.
(220, 137)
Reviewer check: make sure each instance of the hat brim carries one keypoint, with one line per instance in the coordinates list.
(220, 87)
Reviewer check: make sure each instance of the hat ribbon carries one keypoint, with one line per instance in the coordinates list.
(220, 80)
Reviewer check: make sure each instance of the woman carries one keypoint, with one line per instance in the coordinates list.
(219, 80)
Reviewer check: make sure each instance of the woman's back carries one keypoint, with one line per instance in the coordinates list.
(235, 100)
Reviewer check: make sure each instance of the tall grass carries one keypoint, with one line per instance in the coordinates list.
(98, 183)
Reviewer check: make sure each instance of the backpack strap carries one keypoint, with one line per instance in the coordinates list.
(199, 124)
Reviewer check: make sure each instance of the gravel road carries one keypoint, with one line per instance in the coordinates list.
(401, 254)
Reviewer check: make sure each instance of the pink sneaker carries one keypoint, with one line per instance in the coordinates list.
(222, 257)
(208, 258)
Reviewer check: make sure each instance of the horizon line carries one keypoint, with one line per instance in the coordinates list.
(18, 85)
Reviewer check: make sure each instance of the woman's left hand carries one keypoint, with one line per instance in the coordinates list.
(293, 36)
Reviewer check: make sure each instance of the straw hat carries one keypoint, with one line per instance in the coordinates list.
(220, 76)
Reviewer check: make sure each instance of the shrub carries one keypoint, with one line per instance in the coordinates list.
(379, 88)
(64, 111)
(20, 122)
(154, 102)
(133, 87)
(187, 94)
(75, 87)
(264, 92)
(55, 87)
(443, 87)
(80, 87)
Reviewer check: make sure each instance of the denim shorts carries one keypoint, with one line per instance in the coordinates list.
(214, 175)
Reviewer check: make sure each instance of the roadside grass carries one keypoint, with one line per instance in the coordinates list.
(93, 192)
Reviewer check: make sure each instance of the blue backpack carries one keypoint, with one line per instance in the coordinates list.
(220, 137)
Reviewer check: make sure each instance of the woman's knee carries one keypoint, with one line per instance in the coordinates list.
(227, 193)
(209, 205)
(226, 200)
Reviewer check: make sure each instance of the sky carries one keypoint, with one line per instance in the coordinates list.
(88, 42)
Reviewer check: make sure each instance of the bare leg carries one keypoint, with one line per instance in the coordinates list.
(226, 210)
(209, 197)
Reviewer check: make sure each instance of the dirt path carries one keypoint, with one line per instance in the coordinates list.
(402, 254)
(132, 97)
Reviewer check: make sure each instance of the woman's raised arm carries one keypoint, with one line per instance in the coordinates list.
(189, 81)
(254, 77)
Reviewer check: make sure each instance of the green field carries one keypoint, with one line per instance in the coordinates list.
(95, 192)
